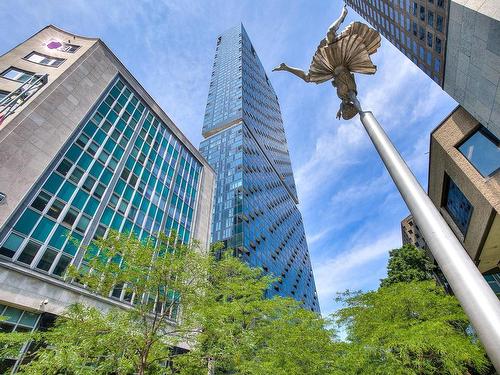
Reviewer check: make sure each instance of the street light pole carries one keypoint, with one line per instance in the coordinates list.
(337, 57)
(473, 292)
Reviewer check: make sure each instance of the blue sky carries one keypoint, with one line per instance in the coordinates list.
(351, 210)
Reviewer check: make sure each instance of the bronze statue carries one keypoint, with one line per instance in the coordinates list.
(337, 57)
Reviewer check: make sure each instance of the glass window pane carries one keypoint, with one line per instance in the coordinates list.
(56, 208)
(17, 75)
(11, 245)
(70, 217)
(59, 237)
(12, 314)
(458, 206)
(27, 221)
(41, 201)
(29, 252)
(80, 199)
(29, 319)
(66, 191)
(64, 167)
(83, 224)
(46, 260)
(482, 149)
(43, 229)
(63, 263)
(53, 183)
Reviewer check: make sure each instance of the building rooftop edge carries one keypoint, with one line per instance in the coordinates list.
(146, 96)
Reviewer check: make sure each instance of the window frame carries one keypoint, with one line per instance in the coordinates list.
(487, 134)
(18, 69)
(447, 180)
(58, 59)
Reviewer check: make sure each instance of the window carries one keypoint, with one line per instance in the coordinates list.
(440, 3)
(437, 65)
(422, 13)
(430, 18)
(29, 252)
(494, 282)
(41, 201)
(421, 33)
(439, 23)
(11, 245)
(429, 39)
(482, 150)
(457, 205)
(17, 75)
(61, 46)
(437, 47)
(38, 58)
(3, 94)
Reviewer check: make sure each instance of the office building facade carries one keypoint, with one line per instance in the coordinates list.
(255, 206)
(411, 235)
(84, 149)
(455, 42)
(464, 184)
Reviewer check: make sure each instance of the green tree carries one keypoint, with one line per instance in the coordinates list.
(224, 317)
(138, 337)
(407, 328)
(245, 333)
(407, 264)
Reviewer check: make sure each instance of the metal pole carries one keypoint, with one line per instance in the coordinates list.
(473, 292)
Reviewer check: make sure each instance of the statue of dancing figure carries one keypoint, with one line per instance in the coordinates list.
(337, 57)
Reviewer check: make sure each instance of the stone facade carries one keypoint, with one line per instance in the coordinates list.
(472, 73)
(410, 233)
(482, 237)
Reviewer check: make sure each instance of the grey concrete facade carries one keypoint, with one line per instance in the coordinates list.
(34, 137)
(472, 73)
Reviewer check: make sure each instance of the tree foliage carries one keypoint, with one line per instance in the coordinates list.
(225, 318)
(405, 327)
(407, 264)
(245, 333)
(408, 328)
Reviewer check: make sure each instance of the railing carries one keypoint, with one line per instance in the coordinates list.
(12, 101)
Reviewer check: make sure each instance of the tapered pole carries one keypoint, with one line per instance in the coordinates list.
(473, 292)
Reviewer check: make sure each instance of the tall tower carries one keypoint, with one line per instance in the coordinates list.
(255, 206)
(455, 42)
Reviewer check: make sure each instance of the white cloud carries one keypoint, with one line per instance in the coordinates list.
(352, 267)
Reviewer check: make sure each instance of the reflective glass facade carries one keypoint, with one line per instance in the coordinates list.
(416, 27)
(482, 149)
(122, 169)
(457, 205)
(255, 207)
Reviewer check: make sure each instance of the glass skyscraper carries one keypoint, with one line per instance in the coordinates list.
(255, 205)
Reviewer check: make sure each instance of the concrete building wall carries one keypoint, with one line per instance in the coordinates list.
(32, 139)
(472, 73)
(410, 233)
(482, 192)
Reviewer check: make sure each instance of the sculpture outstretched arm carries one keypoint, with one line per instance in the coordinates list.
(332, 30)
(296, 71)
